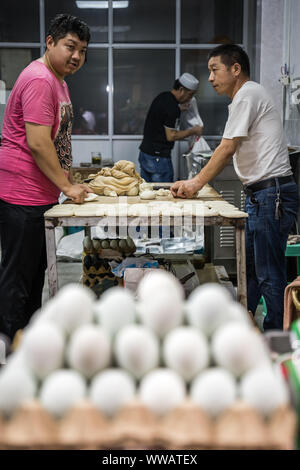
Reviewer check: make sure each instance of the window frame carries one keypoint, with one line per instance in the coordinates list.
(110, 46)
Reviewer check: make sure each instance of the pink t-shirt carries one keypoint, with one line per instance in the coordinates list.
(40, 98)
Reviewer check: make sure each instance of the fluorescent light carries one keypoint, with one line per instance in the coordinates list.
(101, 4)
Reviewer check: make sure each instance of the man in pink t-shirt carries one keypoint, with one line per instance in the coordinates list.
(35, 160)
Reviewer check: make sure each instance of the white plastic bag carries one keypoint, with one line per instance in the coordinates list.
(190, 118)
(200, 145)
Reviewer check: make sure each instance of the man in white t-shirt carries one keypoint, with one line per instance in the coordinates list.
(254, 138)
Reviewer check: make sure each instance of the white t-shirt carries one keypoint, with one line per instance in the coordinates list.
(263, 152)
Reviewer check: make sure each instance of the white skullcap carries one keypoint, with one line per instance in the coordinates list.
(189, 81)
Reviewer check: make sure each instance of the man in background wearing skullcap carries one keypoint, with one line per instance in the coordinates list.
(161, 130)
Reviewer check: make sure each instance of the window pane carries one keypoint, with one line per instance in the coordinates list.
(11, 69)
(212, 21)
(150, 21)
(136, 84)
(89, 95)
(20, 21)
(212, 107)
(96, 18)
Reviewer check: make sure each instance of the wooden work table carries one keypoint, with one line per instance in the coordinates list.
(123, 222)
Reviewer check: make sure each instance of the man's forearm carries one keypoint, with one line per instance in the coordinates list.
(180, 135)
(46, 159)
(218, 161)
(172, 134)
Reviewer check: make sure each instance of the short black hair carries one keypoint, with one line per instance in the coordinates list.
(231, 54)
(62, 24)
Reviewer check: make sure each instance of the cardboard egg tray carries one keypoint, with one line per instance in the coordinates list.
(135, 427)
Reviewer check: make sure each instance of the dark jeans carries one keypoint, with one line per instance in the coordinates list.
(266, 240)
(156, 169)
(23, 264)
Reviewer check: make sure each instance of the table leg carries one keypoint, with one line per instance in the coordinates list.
(241, 265)
(51, 260)
(87, 231)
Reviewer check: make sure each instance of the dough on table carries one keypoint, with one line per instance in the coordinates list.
(163, 193)
(220, 205)
(146, 186)
(171, 210)
(233, 214)
(215, 203)
(61, 210)
(159, 203)
(138, 210)
(207, 191)
(86, 210)
(90, 197)
(121, 180)
(147, 194)
(155, 211)
(110, 210)
(100, 211)
(207, 213)
(190, 201)
(121, 210)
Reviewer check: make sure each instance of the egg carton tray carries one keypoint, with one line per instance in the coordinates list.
(135, 427)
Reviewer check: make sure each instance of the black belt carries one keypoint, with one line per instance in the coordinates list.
(252, 188)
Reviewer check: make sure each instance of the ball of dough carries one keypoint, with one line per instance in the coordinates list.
(147, 194)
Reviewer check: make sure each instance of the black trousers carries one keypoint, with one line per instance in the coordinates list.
(23, 264)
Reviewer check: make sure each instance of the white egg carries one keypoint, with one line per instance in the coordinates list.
(89, 350)
(47, 312)
(159, 281)
(43, 347)
(161, 313)
(115, 309)
(112, 389)
(264, 390)
(161, 390)
(238, 348)
(17, 359)
(137, 350)
(185, 350)
(206, 307)
(72, 307)
(214, 390)
(16, 386)
(236, 312)
(61, 390)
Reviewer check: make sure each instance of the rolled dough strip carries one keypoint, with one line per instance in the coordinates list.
(233, 214)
